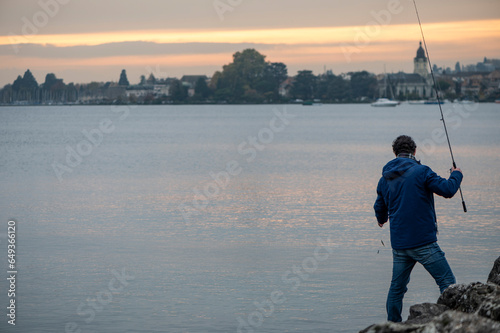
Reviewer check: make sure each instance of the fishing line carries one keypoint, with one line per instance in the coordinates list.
(438, 100)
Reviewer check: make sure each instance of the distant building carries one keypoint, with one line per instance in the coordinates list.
(139, 91)
(286, 86)
(115, 91)
(417, 85)
(410, 86)
(420, 63)
(494, 80)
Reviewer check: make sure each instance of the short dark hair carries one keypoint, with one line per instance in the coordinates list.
(403, 144)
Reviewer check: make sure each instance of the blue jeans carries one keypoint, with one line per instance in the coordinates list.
(433, 260)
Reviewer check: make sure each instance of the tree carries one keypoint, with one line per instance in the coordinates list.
(304, 86)
(29, 81)
(54, 89)
(250, 65)
(363, 84)
(151, 79)
(216, 80)
(443, 85)
(71, 93)
(50, 80)
(25, 88)
(178, 92)
(243, 74)
(201, 89)
(249, 78)
(274, 74)
(333, 88)
(18, 83)
(6, 94)
(142, 80)
(123, 79)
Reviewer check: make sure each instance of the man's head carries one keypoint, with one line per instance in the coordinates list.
(404, 144)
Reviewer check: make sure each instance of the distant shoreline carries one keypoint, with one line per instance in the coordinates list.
(220, 104)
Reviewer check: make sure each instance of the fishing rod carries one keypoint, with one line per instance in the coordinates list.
(438, 100)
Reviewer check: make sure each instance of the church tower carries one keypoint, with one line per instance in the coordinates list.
(420, 63)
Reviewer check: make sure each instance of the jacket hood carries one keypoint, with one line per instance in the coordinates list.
(397, 167)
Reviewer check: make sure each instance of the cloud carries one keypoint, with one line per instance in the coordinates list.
(195, 52)
(136, 48)
(86, 16)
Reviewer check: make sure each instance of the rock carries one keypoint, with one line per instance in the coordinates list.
(425, 312)
(452, 294)
(448, 322)
(462, 308)
(477, 297)
(490, 308)
(457, 322)
(494, 276)
(389, 327)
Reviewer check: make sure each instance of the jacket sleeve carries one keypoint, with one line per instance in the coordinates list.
(442, 186)
(380, 206)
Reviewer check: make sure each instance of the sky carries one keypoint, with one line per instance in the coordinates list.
(93, 40)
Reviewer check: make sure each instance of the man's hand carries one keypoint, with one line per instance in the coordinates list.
(456, 169)
(381, 225)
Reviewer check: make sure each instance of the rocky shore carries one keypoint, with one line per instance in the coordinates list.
(462, 308)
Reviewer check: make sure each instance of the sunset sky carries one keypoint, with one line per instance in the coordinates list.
(90, 40)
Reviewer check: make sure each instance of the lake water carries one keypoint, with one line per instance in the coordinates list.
(226, 218)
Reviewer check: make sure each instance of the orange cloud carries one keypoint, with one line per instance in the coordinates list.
(448, 31)
(344, 48)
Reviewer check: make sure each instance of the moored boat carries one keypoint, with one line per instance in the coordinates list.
(433, 101)
(384, 102)
(417, 102)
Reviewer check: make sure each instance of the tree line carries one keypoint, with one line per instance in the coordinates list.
(249, 78)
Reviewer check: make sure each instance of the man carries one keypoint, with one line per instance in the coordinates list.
(405, 197)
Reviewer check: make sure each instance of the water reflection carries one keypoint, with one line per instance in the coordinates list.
(315, 180)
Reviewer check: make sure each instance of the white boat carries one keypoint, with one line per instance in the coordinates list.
(384, 102)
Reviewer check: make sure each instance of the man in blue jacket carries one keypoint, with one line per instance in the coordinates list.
(406, 198)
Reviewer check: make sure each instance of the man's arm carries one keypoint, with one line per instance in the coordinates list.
(380, 207)
(442, 186)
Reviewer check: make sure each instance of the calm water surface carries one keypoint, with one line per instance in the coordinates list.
(211, 218)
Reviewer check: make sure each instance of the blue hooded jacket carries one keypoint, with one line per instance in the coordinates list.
(406, 197)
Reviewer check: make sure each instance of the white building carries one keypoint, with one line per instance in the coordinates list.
(417, 85)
